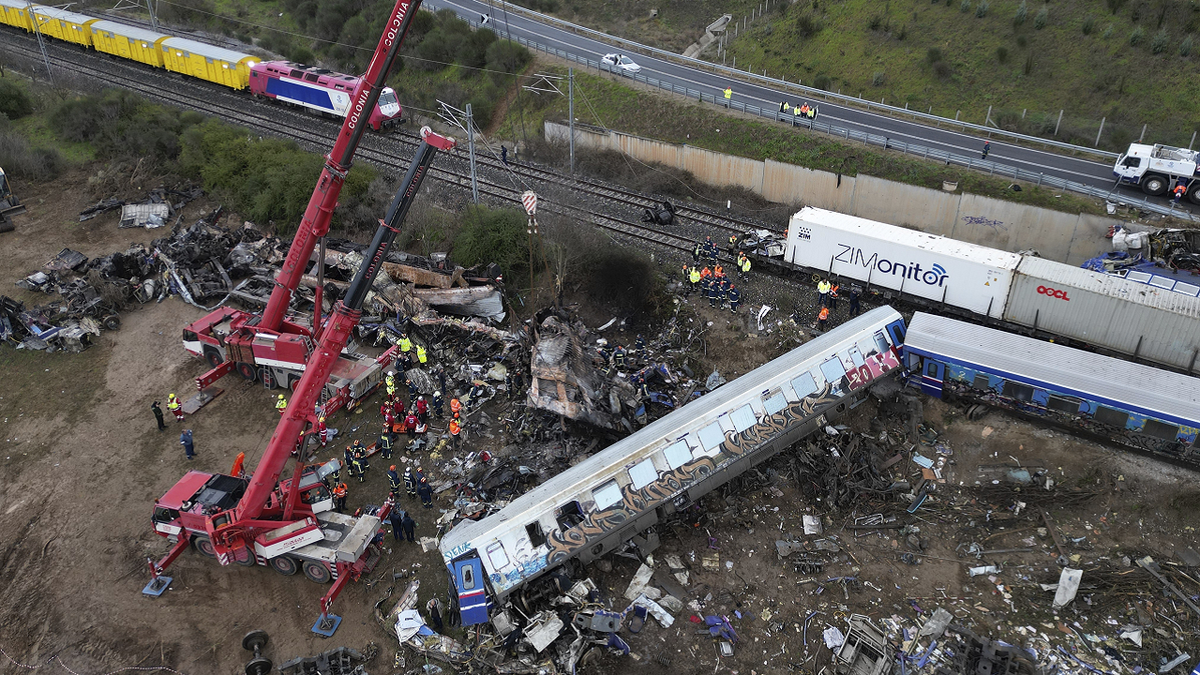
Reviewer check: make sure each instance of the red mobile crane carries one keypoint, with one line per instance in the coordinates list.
(273, 347)
(287, 524)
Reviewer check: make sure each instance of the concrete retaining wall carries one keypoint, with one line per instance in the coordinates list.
(980, 220)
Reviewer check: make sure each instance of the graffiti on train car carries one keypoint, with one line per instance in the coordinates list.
(563, 544)
(874, 366)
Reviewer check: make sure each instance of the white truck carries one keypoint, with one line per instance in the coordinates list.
(1159, 168)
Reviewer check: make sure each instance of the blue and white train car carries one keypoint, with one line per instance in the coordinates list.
(608, 499)
(1128, 403)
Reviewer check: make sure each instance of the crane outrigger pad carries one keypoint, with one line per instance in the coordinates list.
(327, 625)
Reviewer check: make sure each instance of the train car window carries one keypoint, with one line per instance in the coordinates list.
(775, 402)
(468, 578)
(496, 554)
(856, 356)
(536, 536)
(297, 73)
(568, 515)
(833, 370)
(311, 78)
(1016, 390)
(804, 385)
(980, 381)
(1113, 418)
(743, 418)
(1063, 404)
(931, 367)
(606, 495)
(678, 454)
(712, 436)
(643, 474)
(1160, 430)
(881, 342)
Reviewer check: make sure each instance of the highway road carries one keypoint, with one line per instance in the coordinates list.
(1090, 171)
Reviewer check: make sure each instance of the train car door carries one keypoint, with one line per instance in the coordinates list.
(933, 374)
(468, 583)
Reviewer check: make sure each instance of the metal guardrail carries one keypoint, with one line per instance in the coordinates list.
(777, 83)
(879, 140)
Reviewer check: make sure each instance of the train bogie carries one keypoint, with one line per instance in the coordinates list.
(128, 42)
(214, 64)
(63, 25)
(15, 13)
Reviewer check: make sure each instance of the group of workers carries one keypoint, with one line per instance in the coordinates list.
(802, 111)
(711, 279)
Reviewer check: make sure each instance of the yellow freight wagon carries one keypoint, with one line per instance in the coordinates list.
(128, 42)
(64, 25)
(15, 13)
(215, 64)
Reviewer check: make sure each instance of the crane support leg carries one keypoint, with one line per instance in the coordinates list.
(159, 583)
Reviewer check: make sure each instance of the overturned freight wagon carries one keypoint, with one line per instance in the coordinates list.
(616, 495)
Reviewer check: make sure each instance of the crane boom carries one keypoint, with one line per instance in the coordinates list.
(315, 223)
(334, 338)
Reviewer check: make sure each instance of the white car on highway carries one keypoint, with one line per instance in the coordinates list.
(622, 63)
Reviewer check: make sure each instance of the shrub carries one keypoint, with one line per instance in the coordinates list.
(493, 235)
(1115, 6)
(877, 78)
(876, 22)
(822, 81)
(965, 6)
(902, 33)
(1089, 24)
(1158, 44)
(1043, 15)
(1108, 32)
(942, 70)
(1022, 41)
(933, 55)
(14, 101)
(1028, 69)
(807, 25)
(121, 124)
(1136, 36)
(1002, 54)
(20, 159)
(981, 10)
(1185, 47)
(1022, 12)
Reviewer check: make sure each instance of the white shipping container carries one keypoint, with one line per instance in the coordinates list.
(1107, 311)
(963, 275)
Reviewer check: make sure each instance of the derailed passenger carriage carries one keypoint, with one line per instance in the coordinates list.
(1134, 405)
(617, 495)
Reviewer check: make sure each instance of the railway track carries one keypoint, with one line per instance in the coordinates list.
(315, 133)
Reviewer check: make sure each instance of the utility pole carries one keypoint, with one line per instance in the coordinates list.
(571, 112)
(41, 43)
(471, 151)
(153, 19)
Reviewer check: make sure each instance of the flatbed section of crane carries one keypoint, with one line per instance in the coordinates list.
(346, 537)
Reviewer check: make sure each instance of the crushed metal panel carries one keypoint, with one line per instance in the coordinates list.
(563, 381)
(483, 301)
(149, 216)
(864, 651)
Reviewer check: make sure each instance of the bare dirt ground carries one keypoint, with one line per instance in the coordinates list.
(83, 464)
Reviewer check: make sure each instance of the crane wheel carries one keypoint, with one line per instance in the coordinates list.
(259, 666)
(204, 546)
(247, 372)
(213, 357)
(1154, 185)
(285, 565)
(255, 640)
(1193, 193)
(317, 573)
(245, 557)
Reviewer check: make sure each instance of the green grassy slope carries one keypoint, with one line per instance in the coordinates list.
(935, 54)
